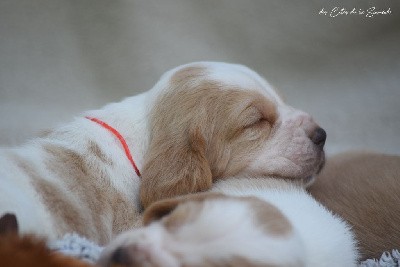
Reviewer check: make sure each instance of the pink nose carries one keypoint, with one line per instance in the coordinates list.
(318, 137)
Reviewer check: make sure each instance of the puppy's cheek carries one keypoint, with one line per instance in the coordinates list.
(303, 152)
(289, 163)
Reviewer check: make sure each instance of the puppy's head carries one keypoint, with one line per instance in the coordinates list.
(207, 229)
(217, 120)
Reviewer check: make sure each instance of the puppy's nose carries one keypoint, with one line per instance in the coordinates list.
(121, 257)
(318, 137)
(131, 256)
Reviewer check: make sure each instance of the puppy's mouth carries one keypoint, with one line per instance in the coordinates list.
(309, 180)
(321, 163)
(308, 177)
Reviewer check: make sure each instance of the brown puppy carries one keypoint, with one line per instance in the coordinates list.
(27, 250)
(363, 188)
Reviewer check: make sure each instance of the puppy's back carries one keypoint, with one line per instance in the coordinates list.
(363, 188)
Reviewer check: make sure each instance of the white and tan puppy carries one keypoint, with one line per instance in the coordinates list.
(363, 188)
(201, 122)
(243, 222)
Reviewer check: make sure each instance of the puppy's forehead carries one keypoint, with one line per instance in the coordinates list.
(230, 75)
(240, 76)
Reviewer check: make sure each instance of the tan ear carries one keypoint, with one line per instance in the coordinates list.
(164, 207)
(175, 166)
(8, 224)
(160, 209)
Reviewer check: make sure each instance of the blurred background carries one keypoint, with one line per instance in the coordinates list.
(61, 57)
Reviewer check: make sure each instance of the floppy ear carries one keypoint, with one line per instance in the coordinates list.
(175, 165)
(8, 224)
(162, 208)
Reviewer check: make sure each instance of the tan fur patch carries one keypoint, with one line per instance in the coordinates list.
(182, 214)
(173, 215)
(95, 149)
(65, 214)
(75, 162)
(82, 200)
(164, 207)
(188, 74)
(363, 189)
(202, 131)
(269, 218)
(45, 133)
(91, 187)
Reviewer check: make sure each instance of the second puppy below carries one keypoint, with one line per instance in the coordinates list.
(244, 222)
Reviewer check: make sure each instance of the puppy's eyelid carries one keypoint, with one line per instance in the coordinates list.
(256, 122)
(256, 117)
(261, 122)
(262, 119)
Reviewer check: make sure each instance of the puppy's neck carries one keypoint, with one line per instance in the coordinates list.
(129, 117)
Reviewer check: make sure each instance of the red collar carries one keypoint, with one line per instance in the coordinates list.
(121, 140)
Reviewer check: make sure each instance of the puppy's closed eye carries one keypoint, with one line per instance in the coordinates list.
(260, 114)
(260, 123)
(256, 126)
(253, 120)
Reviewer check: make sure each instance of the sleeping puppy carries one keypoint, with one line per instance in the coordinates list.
(201, 122)
(363, 188)
(22, 251)
(243, 222)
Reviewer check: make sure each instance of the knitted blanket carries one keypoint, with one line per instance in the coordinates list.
(387, 260)
(81, 248)
(78, 247)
